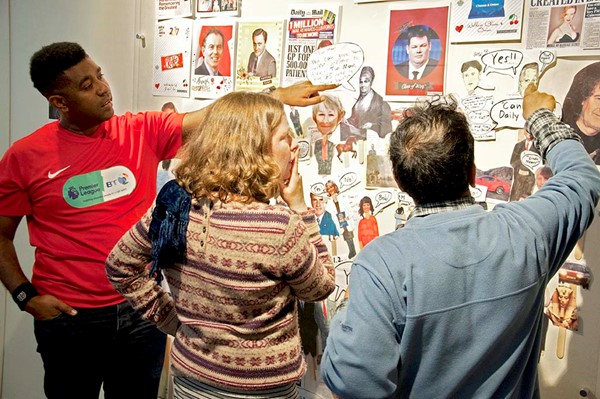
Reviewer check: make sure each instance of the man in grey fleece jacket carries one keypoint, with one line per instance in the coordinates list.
(450, 306)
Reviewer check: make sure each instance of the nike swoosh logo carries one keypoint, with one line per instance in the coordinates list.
(53, 175)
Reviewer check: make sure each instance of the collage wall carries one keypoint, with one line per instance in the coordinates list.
(480, 53)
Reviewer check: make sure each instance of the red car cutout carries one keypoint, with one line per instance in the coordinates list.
(493, 184)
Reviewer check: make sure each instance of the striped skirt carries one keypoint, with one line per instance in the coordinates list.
(188, 388)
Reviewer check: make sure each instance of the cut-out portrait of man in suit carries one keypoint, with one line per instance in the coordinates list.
(418, 48)
(261, 63)
(212, 53)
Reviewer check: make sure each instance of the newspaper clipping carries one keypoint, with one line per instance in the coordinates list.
(310, 27)
(567, 26)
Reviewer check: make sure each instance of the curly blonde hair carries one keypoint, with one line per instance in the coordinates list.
(229, 154)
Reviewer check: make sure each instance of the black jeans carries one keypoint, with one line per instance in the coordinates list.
(111, 345)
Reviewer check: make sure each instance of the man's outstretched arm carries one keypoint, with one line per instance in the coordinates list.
(301, 95)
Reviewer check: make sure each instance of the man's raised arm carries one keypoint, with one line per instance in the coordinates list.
(301, 95)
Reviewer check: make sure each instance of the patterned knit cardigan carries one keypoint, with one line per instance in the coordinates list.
(233, 309)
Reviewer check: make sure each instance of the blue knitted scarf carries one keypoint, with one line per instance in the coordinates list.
(168, 227)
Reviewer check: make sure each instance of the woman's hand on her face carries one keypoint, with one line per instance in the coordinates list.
(292, 190)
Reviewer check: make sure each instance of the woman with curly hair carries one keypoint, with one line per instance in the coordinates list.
(235, 260)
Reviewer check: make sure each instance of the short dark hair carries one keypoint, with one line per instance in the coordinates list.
(545, 172)
(418, 31)
(432, 151)
(582, 87)
(47, 65)
(213, 31)
(471, 64)
(168, 105)
(259, 31)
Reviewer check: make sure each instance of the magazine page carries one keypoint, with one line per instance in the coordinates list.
(165, 9)
(567, 29)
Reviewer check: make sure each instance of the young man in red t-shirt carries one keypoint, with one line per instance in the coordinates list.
(82, 181)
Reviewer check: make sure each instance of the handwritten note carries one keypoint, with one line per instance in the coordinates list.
(335, 64)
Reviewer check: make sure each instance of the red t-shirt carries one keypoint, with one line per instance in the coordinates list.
(81, 194)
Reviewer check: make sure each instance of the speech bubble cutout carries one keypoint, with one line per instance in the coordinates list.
(531, 160)
(348, 180)
(475, 103)
(508, 113)
(477, 117)
(478, 193)
(342, 278)
(335, 64)
(317, 188)
(404, 199)
(502, 60)
(547, 58)
(382, 199)
(304, 150)
(481, 128)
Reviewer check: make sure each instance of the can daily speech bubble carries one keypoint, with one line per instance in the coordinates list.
(508, 113)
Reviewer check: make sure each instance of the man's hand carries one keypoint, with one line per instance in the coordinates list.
(534, 100)
(301, 94)
(47, 307)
